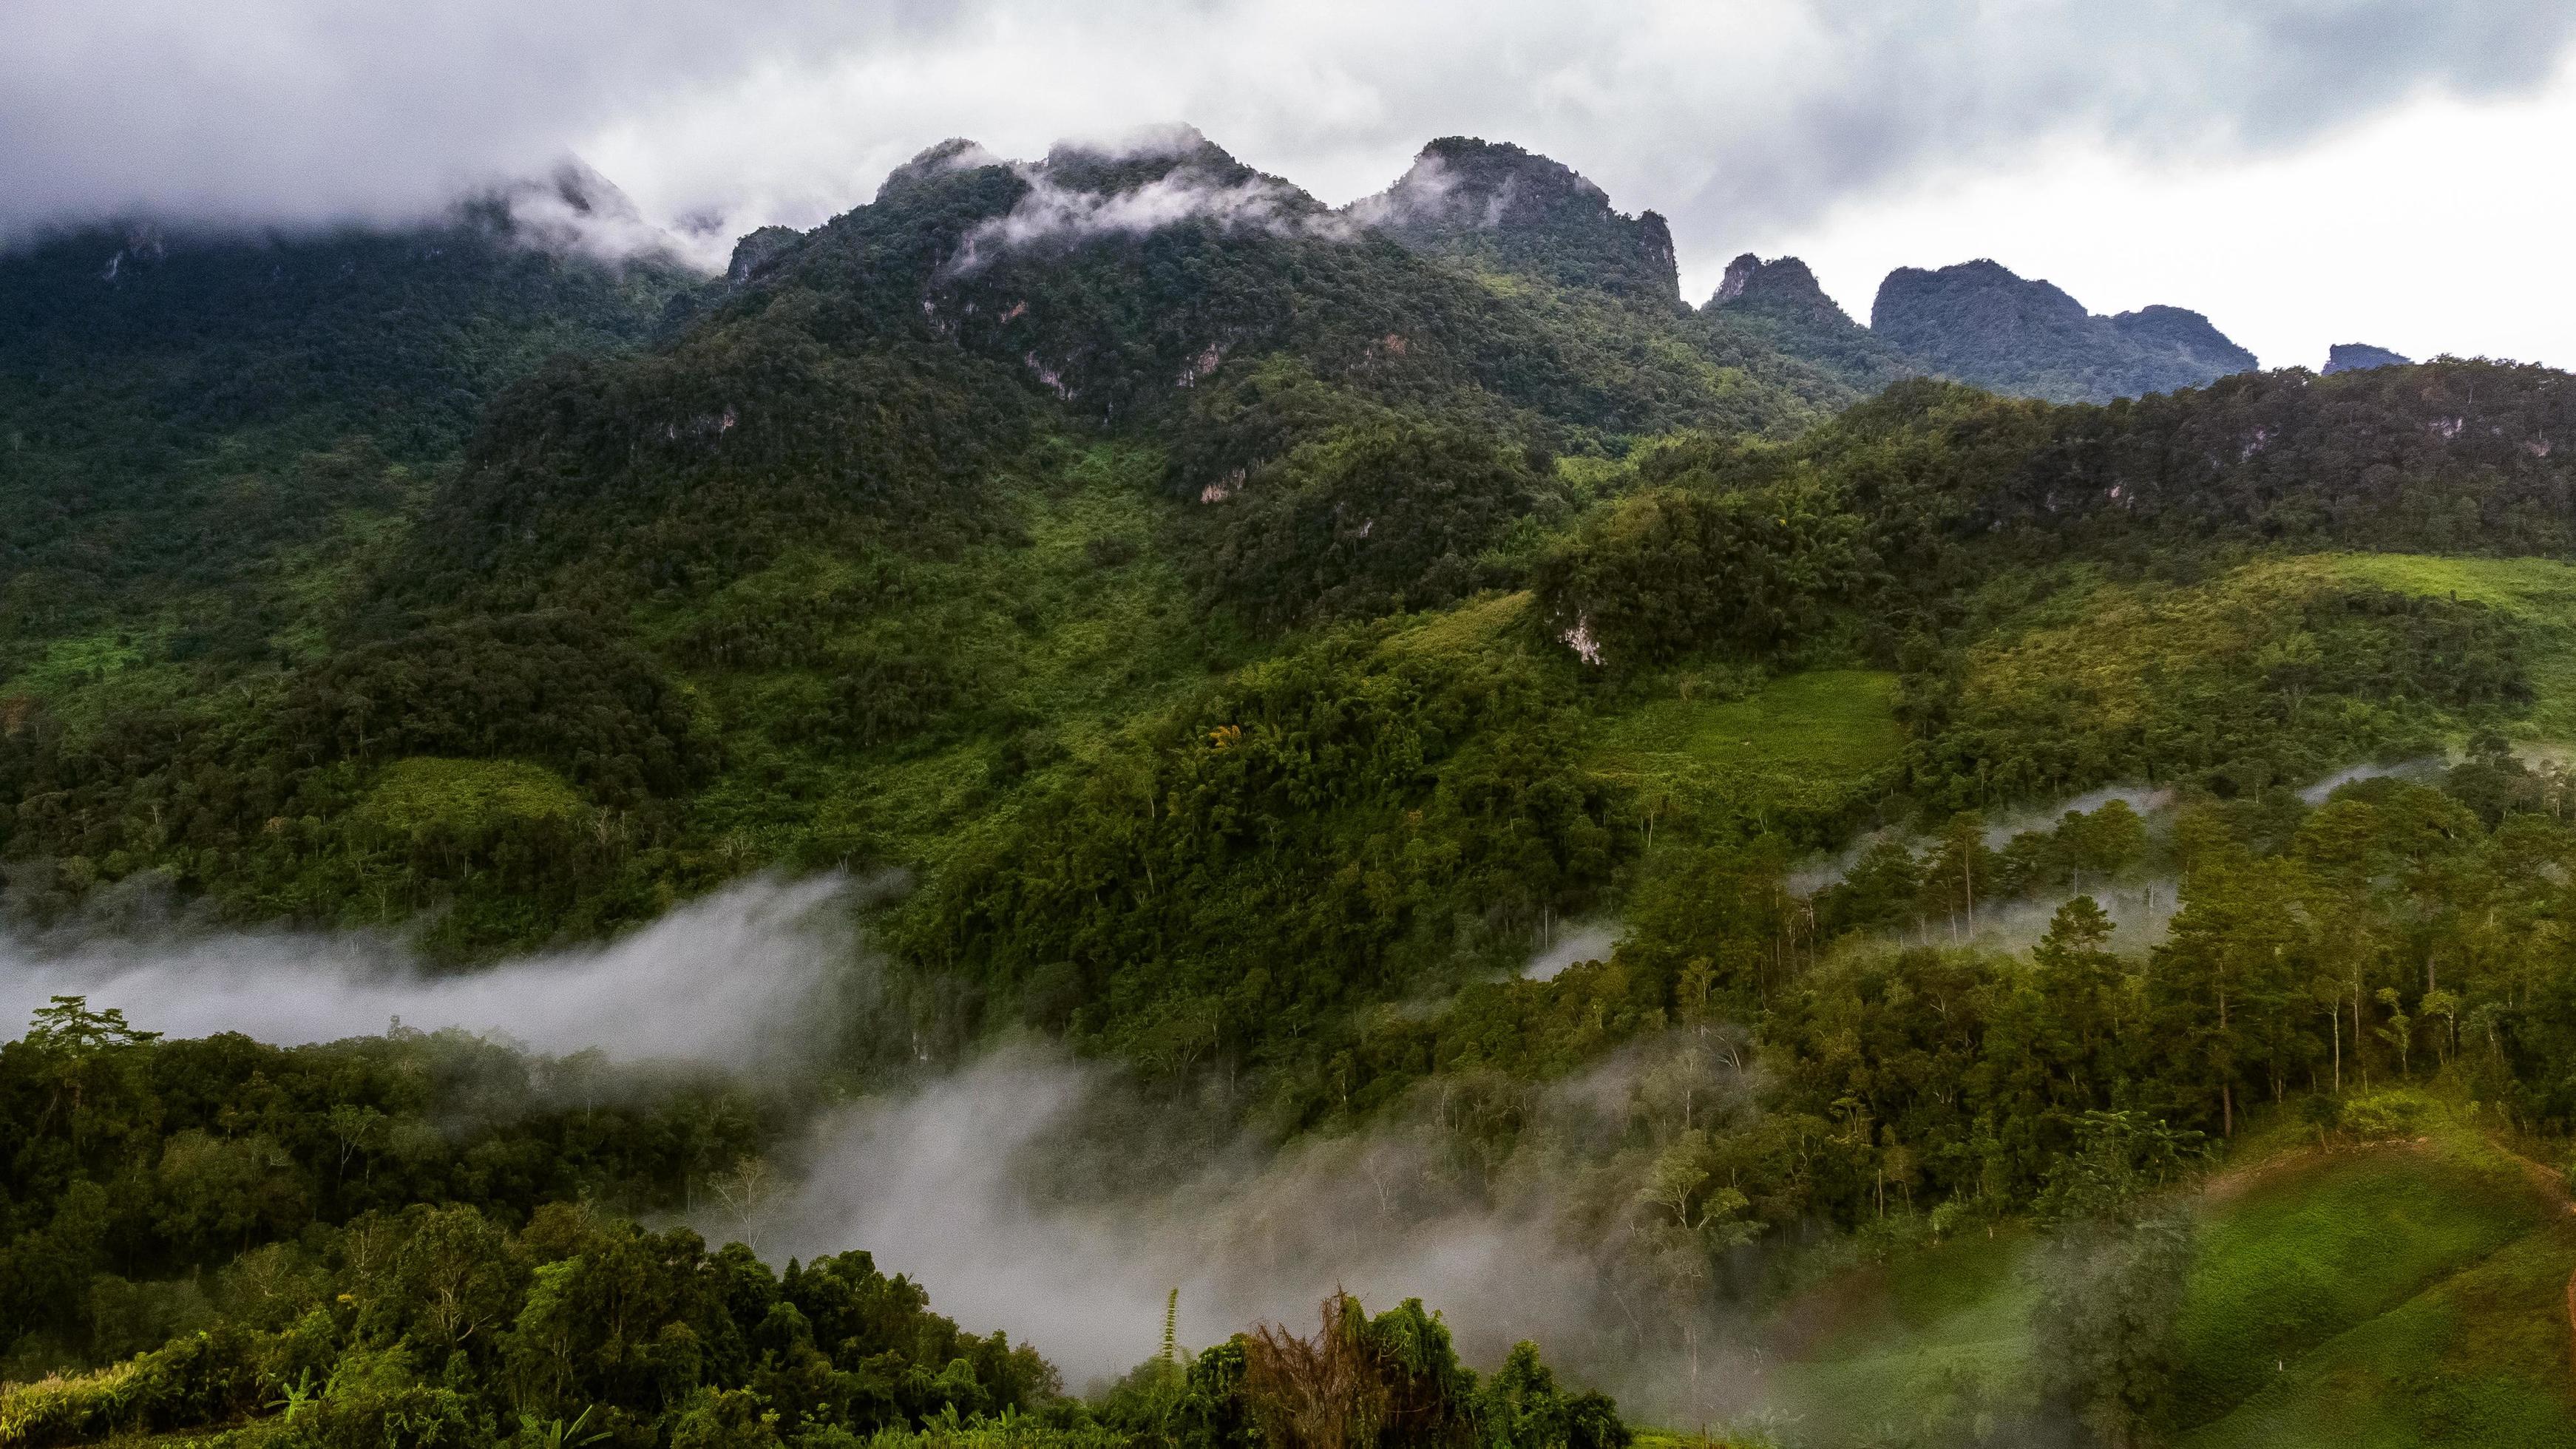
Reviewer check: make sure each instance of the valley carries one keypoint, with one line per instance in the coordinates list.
(1018, 755)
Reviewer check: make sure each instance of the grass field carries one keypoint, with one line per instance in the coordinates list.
(2540, 592)
(1805, 745)
(1911, 1350)
(2410, 1292)
(2478, 1358)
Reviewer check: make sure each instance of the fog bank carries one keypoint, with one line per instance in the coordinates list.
(1031, 1193)
(735, 978)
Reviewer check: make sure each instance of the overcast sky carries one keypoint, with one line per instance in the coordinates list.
(2305, 171)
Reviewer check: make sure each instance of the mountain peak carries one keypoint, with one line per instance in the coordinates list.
(957, 153)
(1141, 158)
(1982, 323)
(2361, 357)
(1526, 212)
(1782, 287)
(573, 209)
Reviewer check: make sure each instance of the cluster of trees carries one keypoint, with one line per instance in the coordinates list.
(136, 1165)
(1914, 1063)
(1342, 823)
(443, 1325)
(1370, 521)
(2269, 676)
(1357, 1381)
(409, 1238)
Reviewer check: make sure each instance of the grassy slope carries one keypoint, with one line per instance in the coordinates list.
(1804, 745)
(2404, 1293)
(1920, 1341)
(2540, 592)
(2411, 1293)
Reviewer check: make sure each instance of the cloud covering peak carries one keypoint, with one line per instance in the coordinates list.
(1746, 124)
(784, 109)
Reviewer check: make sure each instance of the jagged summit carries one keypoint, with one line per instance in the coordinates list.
(1524, 212)
(1144, 157)
(574, 209)
(2188, 333)
(1980, 322)
(1778, 304)
(1782, 287)
(760, 251)
(2361, 356)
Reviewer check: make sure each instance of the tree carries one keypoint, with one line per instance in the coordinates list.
(2110, 1278)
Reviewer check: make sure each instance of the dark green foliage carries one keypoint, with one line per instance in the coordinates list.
(136, 1161)
(1245, 416)
(1981, 324)
(546, 686)
(1672, 572)
(1498, 205)
(2270, 679)
(1368, 521)
(2446, 457)
(599, 482)
(180, 410)
(1779, 302)
(1325, 828)
(439, 1325)
(2111, 1282)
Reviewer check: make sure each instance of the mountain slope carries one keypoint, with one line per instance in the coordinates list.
(1982, 324)
(182, 413)
(1498, 205)
(1779, 302)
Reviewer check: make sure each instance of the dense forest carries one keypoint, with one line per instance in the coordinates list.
(1253, 637)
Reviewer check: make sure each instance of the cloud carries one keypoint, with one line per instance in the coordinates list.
(574, 209)
(1050, 214)
(746, 976)
(1731, 119)
(1061, 1203)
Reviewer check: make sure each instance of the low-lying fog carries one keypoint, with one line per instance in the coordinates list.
(735, 978)
(1052, 1198)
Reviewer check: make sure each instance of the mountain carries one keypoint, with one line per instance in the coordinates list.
(1980, 323)
(1501, 206)
(2358, 356)
(1703, 800)
(1779, 302)
(185, 410)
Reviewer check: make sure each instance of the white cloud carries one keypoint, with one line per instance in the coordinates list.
(745, 976)
(1053, 214)
(1798, 120)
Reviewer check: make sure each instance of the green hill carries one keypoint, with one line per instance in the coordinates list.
(1251, 632)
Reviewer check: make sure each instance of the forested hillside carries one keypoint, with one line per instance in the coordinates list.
(1747, 811)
